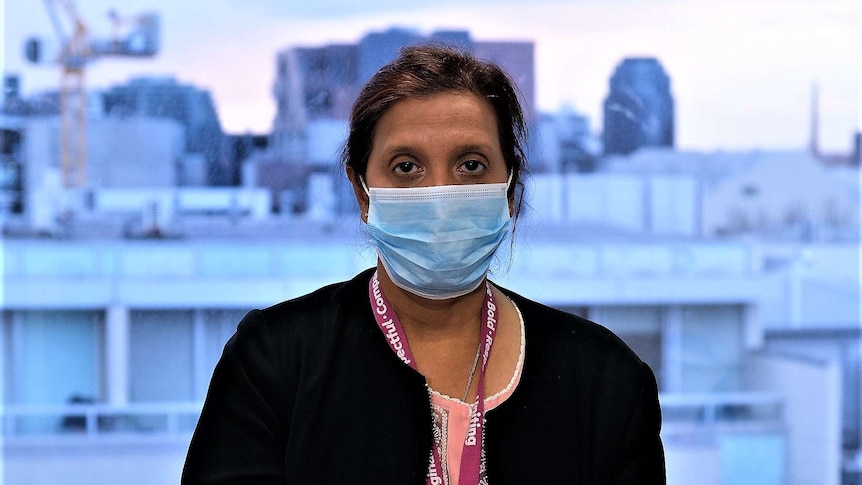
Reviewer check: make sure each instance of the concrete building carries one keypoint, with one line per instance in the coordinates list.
(109, 331)
(803, 217)
(776, 195)
(191, 107)
(127, 153)
(747, 331)
(128, 330)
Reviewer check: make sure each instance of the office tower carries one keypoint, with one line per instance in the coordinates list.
(638, 110)
(315, 88)
(377, 48)
(317, 85)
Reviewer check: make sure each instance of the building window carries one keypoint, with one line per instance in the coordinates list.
(218, 327)
(712, 348)
(52, 358)
(59, 347)
(161, 355)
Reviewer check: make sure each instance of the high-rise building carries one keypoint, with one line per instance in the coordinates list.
(319, 84)
(375, 49)
(638, 110)
(315, 88)
(192, 107)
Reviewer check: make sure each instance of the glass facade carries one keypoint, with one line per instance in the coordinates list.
(161, 355)
(712, 348)
(59, 348)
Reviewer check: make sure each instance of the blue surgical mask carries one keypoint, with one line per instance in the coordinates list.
(438, 242)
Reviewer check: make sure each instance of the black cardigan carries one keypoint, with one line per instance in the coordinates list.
(308, 391)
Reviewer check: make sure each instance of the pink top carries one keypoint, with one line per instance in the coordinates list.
(452, 418)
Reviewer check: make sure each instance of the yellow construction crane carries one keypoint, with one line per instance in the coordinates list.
(132, 37)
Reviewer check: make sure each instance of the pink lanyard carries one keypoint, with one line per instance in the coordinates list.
(389, 324)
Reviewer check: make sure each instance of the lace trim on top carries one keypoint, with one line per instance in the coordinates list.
(452, 418)
(491, 401)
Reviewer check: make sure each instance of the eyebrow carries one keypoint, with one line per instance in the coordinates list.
(459, 149)
(475, 147)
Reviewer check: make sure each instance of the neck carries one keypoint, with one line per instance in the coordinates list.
(429, 320)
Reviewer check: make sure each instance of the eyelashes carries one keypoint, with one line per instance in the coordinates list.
(470, 166)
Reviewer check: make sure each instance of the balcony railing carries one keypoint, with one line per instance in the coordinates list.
(99, 421)
(685, 416)
(698, 416)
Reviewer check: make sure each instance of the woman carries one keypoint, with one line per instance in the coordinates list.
(387, 378)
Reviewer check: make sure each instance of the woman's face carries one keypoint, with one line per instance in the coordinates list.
(445, 139)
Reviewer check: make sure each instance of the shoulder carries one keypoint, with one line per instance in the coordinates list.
(590, 386)
(564, 338)
(551, 322)
(320, 305)
(308, 316)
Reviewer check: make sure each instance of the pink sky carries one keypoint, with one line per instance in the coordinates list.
(741, 71)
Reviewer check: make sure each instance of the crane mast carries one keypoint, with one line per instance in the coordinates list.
(73, 101)
(133, 37)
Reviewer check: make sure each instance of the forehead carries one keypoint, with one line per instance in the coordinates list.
(442, 118)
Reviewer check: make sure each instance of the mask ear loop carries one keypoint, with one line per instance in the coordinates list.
(364, 186)
(509, 187)
(365, 189)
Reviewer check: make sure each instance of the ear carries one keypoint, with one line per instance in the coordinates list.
(361, 197)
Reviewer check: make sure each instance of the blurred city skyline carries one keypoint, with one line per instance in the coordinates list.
(741, 74)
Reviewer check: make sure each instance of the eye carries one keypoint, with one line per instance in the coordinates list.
(472, 166)
(405, 167)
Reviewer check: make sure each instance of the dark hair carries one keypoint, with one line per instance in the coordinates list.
(429, 69)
